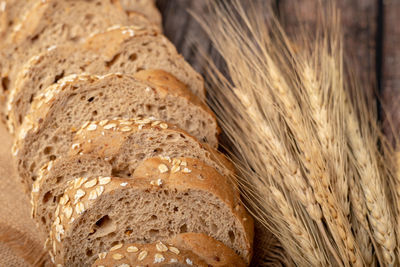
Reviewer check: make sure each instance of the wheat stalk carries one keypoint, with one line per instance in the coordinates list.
(379, 213)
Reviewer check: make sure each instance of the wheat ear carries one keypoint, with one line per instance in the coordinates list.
(379, 213)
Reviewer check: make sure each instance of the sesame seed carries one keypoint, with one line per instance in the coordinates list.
(79, 208)
(124, 265)
(85, 124)
(188, 261)
(161, 247)
(92, 127)
(154, 123)
(103, 122)
(104, 180)
(124, 184)
(142, 255)
(68, 212)
(79, 194)
(102, 255)
(100, 190)
(35, 188)
(110, 126)
(186, 170)
(78, 182)
(175, 168)
(132, 249)
(126, 122)
(158, 258)
(118, 256)
(91, 183)
(174, 250)
(126, 129)
(157, 182)
(76, 146)
(162, 168)
(118, 246)
(163, 125)
(93, 195)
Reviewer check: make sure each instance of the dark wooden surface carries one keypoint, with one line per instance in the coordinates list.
(391, 66)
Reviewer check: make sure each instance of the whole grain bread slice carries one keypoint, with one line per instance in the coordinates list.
(54, 22)
(188, 249)
(115, 148)
(157, 204)
(60, 110)
(146, 7)
(123, 49)
(10, 12)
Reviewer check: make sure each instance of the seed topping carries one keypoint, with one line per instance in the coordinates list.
(162, 168)
(132, 249)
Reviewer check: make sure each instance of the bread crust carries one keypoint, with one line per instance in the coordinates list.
(105, 140)
(195, 176)
(45, 104)
(195, 249)
(100, 48)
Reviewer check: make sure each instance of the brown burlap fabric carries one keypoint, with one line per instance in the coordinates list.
(20, 241)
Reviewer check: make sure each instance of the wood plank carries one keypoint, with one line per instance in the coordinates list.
(359, 19)
(391, 67)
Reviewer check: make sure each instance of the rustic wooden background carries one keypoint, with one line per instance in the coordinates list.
(372, 43)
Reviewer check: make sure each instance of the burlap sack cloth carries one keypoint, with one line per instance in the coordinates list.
(20, 241)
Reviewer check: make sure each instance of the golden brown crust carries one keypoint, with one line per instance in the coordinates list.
(44, 103)
(195, 249)
(169, 84)
(99, 42)
(146, 7)
(178, 174)
(107, 48)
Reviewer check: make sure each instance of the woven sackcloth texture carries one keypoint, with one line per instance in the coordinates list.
(20, 241)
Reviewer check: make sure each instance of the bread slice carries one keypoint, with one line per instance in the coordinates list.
(157, 204)
(54, 22)
(146, 7)
(188, 249)
(10, 12)
(61, 109)
(115, 148)
(124, 50)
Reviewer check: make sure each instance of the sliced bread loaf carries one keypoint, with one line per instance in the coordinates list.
(146, 7)
(156, 204)
(53, 22)
(189, 249)
(124, 50)
(62, 108)
(114, 148)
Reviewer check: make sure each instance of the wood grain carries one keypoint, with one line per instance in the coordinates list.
(391, 68)
(359, 22)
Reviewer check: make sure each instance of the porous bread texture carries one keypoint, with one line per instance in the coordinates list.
(61, 109)
(123, 50)
(188, 249)
(157, 204)
(146, 7)
(54, 22)
(114, 148)
(10, 11)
